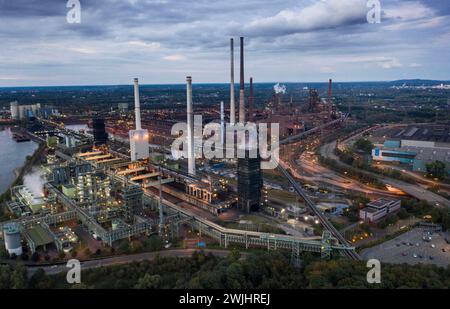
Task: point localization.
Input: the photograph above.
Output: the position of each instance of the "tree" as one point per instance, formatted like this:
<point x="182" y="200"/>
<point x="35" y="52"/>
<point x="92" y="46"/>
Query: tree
<point x="437" y="170"/>
<point x="234" y="255"/>
<point x="149" y="282"/>
<point x="19" y="278"/>
<point x="124" y="247"/>
<point x="364" y="145"/>
<point x="403" y="214"/>
<point x="154" y="243"/>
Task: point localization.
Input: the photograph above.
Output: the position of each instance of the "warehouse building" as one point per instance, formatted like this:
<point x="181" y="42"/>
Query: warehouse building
<point x="415" y="146"/>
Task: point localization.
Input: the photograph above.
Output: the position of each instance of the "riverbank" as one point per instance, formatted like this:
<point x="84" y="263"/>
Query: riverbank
<point x="30" y="161"/>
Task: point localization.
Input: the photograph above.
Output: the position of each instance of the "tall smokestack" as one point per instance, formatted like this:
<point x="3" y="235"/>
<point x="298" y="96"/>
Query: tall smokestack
<point x="241" y="91"/>
<point x="250" y="101"/>
<point x="190" y="127"/>
<point x="222" y="123"/>
<point x="232" y="96"/>
<point x="330" y="91"/>
<point x="137" y="104"/>
<point x="330" y="95"/>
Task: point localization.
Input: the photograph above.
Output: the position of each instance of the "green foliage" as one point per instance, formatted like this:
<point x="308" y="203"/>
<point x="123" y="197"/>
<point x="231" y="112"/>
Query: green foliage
<point x="149" y="282"/>
<point x="153" y="243"/>
<point x="364" y="145"/>
<point x="3" y="253"/>
<point x="390" y="220"/>
<point x="257" y="271"/>
<point x="437" y="170"/>
<point x="420" y="209"/>
<point x="349" y="274"/>
<point x="13" y="278"/>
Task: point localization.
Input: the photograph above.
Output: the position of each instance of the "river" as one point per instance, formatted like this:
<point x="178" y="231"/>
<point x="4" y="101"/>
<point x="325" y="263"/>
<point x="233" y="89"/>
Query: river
<point x="12" y="156"/>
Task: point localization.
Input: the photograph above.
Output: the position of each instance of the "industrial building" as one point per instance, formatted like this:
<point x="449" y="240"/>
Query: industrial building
<point x="249" y="177"/>
<point x="139" y="147"/>
<point x="415" y="146"/>
<point x="132" y="202"/>
<point x="379" y="209"/>
<point x="20" y="112"/>
<point x="24" y="203"/>
<point x="64" y="173"/>
<point x="11" y="235"/>
<point x="100" y="135"/>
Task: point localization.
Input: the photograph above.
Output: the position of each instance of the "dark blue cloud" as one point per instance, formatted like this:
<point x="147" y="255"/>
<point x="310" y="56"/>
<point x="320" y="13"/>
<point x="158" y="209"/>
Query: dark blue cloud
<point x="164" y="40"/>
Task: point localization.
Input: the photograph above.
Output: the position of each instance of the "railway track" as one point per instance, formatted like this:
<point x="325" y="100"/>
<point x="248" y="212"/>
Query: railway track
<point x="322" y="218"/>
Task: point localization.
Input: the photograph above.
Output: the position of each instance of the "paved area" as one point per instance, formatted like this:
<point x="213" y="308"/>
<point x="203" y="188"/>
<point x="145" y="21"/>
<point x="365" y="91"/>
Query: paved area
<point x="410" y="248"/>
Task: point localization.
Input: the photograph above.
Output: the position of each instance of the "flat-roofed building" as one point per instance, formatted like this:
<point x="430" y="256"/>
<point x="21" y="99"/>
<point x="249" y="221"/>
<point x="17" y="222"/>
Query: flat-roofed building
<point x="415" y="146"/>
<point x="379" y="209"/>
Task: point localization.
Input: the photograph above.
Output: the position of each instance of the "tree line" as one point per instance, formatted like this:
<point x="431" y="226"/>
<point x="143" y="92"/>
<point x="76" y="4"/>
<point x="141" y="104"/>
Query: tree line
<point x="260" y="270"/>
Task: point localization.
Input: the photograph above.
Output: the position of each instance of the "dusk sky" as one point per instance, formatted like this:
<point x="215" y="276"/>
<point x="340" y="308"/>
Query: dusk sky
<point x="163" y="41"/>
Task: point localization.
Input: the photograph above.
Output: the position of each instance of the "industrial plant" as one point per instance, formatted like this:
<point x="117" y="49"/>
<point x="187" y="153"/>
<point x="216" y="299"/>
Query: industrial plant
<point x="94" y="184"/>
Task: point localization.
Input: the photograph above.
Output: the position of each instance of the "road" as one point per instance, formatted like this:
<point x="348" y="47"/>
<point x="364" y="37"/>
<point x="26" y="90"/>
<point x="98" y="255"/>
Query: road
<point x="332" y="178"/>
<point x="411" y="189"/>
<point x="126" y="259"/>
<point x="419" y="178"/>
<point x="323" y="219"/>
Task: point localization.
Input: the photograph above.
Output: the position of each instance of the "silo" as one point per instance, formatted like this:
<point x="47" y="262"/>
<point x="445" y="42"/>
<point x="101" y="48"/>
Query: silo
<point x="11" y="234"/>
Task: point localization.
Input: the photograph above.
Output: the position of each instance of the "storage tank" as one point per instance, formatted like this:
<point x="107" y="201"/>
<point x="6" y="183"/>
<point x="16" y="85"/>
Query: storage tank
<point x="11" y="234"/>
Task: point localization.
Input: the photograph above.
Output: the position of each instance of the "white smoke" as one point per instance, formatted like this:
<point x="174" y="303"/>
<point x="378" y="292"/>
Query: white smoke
<point x="35" y="182"/>
<point x="279" y="89"/>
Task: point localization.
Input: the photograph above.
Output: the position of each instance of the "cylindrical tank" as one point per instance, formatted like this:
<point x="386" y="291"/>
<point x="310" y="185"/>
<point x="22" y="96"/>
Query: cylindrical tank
<point x="11" y="234"/>
<point x="115" y="225"/>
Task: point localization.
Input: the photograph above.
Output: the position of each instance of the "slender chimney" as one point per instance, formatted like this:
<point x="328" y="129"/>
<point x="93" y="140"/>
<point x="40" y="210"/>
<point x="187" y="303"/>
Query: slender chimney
<point x="222" y="123"/>
<point x="190" y="127"/>
<point x="250" y="101"/>
<point x="232" y="96"/>
<point x="137" y="104"/>
<point x="241" y="91"/>
<point x="330" y="91"/>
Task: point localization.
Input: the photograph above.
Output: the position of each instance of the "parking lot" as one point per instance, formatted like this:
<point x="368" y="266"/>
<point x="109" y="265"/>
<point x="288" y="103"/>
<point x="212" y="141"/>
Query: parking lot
<point x="411" y="248"/>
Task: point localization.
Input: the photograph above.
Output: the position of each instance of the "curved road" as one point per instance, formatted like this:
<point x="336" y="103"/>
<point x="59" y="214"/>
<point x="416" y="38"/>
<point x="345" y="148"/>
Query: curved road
<point x="413" y="190"/>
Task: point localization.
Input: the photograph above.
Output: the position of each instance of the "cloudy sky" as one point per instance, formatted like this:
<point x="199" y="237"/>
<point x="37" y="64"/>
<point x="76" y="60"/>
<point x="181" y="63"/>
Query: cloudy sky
<point x="162" y="41"/>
